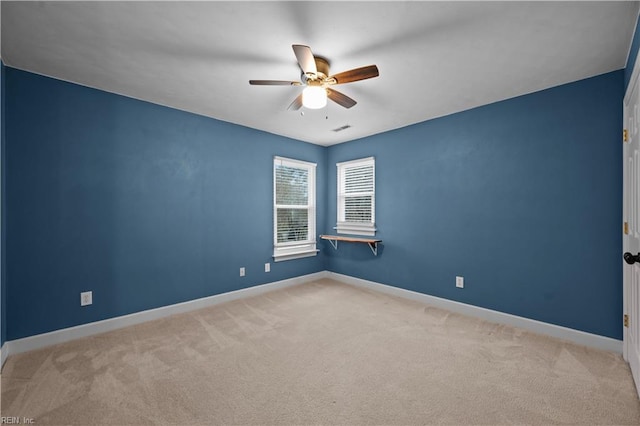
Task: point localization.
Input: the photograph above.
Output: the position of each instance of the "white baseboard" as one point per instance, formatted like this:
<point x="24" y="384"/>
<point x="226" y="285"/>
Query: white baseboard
<point x="576" y="336"/>
<point x="66" y="334"/>
<point x="85" y="330"/>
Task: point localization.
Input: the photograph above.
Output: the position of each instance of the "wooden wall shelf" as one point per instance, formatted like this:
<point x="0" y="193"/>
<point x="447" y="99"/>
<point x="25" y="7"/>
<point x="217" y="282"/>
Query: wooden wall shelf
<point x="372" y="242"/>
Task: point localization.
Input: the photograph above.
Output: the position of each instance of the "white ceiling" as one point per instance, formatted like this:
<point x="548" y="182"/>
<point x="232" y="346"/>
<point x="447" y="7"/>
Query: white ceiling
<point x="435" y="58"/>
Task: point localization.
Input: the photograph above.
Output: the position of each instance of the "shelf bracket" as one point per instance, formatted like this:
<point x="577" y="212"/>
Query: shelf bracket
<point x="334" y="243"/>
<point x="374" y="248"/>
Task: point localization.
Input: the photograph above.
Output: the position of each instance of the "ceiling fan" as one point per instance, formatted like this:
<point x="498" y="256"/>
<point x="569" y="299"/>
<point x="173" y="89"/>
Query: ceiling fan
<point x="315" y="75"/>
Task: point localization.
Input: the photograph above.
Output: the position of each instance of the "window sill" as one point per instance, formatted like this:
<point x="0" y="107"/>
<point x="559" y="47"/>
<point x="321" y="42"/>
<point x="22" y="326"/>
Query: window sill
<point x="296" y="255"/>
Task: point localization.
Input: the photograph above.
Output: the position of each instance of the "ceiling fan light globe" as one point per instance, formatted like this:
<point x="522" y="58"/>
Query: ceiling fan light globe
<point x="314" y="97"/>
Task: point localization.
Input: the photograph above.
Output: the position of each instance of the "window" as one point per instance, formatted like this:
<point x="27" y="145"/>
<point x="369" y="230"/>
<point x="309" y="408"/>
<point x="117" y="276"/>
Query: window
<point x="357" y="197"/>
<point x="294" y="209"/>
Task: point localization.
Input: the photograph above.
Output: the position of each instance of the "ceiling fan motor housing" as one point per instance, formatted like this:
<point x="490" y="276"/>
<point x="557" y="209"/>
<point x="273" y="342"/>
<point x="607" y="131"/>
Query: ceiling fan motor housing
<point x="322" y="70"/>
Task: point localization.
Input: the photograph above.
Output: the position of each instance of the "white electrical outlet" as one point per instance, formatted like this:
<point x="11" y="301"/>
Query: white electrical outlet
<point x="242" y="271"/>
<point x="460" y="282"/>
<point x="86" y="298"/>
<point x="267" y="267"/>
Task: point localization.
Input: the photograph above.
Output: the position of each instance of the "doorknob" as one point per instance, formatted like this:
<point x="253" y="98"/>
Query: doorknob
<point x="631" y="258"/>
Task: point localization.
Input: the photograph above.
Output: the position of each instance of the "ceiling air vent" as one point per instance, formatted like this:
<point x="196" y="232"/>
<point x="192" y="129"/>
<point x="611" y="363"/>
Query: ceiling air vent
<point x="341" y="128"/>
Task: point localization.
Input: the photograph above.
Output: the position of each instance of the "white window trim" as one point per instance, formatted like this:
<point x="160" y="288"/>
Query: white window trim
<point x="342" y="227"/>
<point x="296" y="249"/>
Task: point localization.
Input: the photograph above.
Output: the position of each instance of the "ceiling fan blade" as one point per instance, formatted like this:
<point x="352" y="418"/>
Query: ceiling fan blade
<point x="274" y="83"/>
<point x="305" y="58"/>
<point x="340" y="98"/>
<point x="297" y="103"/>
<point x="356" y="74"/>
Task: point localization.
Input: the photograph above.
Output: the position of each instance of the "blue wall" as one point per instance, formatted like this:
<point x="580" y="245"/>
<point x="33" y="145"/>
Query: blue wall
<point x="522" y="198"/>
<point x="144" y="205"/>
<point x="148" y="206"/>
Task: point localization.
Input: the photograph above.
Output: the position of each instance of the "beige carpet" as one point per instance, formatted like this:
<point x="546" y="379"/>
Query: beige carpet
<point x="319" y="353"/>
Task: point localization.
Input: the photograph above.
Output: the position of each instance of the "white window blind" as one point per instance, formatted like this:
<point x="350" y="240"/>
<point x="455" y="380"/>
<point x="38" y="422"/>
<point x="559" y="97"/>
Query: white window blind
<point x="294" y="215"/>
<point x="356" y="197"/>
